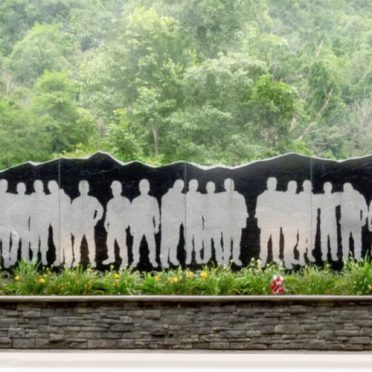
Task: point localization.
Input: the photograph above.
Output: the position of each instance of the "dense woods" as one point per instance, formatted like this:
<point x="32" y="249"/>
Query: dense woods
<point x="210" y="81"/>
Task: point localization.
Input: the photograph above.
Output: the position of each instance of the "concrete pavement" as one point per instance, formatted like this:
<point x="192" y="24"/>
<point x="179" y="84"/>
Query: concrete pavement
<point x="185" y="361"/>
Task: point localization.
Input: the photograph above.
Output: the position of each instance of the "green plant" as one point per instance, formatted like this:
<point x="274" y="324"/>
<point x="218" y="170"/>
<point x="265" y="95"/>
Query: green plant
<point x="313" y="280"/>
<point x="358" y="277"/>
<point x="31" y="279"/>
<point x="75" y="281"/>
<point x="255" y="279"/>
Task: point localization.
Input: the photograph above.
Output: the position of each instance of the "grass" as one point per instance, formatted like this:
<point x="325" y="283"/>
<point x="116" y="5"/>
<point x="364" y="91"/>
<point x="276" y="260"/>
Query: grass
<point x="29" y="279"/>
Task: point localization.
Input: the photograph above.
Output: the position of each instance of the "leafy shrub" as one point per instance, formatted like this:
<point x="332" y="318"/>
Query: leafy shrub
<point x="30" y="279"/>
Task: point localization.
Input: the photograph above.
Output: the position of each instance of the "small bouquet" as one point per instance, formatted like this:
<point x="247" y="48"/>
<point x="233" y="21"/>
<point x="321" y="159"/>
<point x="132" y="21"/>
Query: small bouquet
<point x="277" y="285"/>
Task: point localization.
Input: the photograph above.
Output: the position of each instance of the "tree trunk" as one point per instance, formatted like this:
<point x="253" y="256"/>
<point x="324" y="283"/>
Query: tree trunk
<point x="155" y="134"/>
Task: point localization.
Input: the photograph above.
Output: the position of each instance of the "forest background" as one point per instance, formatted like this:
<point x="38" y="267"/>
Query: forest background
<point x="209" y="81"/>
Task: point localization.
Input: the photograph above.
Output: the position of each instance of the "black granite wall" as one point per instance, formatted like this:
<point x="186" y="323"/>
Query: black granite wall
<point x="249" y="181"/>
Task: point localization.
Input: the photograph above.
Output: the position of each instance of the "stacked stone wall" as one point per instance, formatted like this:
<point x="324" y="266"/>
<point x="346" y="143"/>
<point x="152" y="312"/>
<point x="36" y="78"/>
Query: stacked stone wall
<point x="230" y="323"/>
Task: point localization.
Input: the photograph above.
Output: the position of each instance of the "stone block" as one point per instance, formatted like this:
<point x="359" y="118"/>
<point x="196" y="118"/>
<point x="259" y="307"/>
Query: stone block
<point x="31" y="314"/>
<point x="360" y="340"/>
<point x="318" y="345"/>
<point x="101" y="344"/>
<point x="343" y="332"/>
<point x="16" y="332"/>
<point x="219" y="345"/>
<point x="253" y="333"/>
<point x="287" y="328"/>
<point x="57" y="337"/>
<point x="326" y="335"/>
<point x="125" y="344"/>
<point x="4" y="341"/>
<point x="23" y="343"/>
<point x="121" y="328"/>
<point x="126" y="319"/>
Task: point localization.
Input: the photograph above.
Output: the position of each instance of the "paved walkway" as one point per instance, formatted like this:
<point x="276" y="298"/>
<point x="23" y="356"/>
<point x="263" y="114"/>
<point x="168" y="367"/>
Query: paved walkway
<point x="184" y="361"/>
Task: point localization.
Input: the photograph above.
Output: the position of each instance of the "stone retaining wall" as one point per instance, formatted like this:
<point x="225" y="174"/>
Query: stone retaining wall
<point x="187" y="322"/>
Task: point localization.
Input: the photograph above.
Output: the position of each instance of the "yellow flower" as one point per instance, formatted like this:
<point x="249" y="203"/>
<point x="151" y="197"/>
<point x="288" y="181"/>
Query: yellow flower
<point x="204" y="275"/>
<point x="157" y="277"/>
<point x="174" y="280"/>
<point x="117" y="276"/>
<point x="17" y="278"/>
<point x="189" y="274"/>
<point x="42" y="280"/>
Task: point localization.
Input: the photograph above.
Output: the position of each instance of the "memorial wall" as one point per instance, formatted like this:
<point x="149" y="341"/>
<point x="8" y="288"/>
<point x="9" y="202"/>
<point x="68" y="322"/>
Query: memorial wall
<point x="291" y="209"/>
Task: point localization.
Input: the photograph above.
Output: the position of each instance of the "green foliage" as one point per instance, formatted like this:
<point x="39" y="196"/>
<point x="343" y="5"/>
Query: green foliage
<point x="26" y="279"/>
<point x="255" y="280"/>
<point x="358" y="277"/>
<point x="55" y="101"/>
<point x="215" y="26"/>
<point x="43" y="48"/>
<point x="22" y="135"/>
<point x="124" y="138"/>
<point x="73" y="282"/>
<point x="211" y="81"/>
<point x="313" y="280"/>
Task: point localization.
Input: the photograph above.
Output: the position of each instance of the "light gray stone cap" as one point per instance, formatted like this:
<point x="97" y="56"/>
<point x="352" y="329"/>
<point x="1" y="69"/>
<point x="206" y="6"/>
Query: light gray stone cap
<point x="183" y="298"/>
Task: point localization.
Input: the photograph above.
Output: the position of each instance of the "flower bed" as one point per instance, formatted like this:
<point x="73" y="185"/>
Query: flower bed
<point x="26" y="279"/>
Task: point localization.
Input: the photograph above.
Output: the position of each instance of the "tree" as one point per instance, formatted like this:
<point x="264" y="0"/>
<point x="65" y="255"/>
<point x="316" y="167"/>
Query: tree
<point x="55" y="102"/>
<point x="214" y="26"/>
<point x="234" y="111"/>
<point x="358" y="127"/>
<point x="17" y="17"/>
<point x="141" y="73"/>
<point x="22" y="135"/>
<point x="43" y="48"/>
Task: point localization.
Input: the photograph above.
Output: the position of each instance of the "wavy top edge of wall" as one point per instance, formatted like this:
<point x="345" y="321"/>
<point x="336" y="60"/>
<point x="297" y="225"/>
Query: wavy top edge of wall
<point x="102" y="154"/>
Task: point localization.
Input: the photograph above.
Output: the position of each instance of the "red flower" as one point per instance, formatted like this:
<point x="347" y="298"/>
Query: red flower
<point x="277" y="285"/>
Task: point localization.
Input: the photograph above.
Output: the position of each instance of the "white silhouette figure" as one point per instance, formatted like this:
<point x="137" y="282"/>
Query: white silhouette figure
<point x="145" y="219"/>
<point x="306" y="222"/>
<point x="370" y="217"/>
<point x="86" y="211"/>
<point x="213" y="215"/>
<point x="116" y="222"/>
<point x="269" y="216"/>
<point x="173" y="215"/>
<point x="290" y="204"/>
<point x="354" y="213"/>
<point x="9" y="237"/>
<point x="236" y="214"/>
<point x="327" y="204"/>
<point x="19" y="219"/>
<point x="60" y="219"/>
<point x="194" y="223"/>
<point x="39" y="222"/>
<point x="5" y="229"/>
